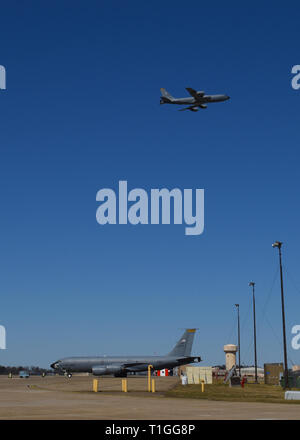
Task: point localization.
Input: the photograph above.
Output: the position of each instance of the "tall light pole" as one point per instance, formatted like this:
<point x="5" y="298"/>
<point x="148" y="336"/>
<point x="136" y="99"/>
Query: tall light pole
<point x="251" y="284"/>
<point x="239" y="337"/>
<point x="278" y="245"/>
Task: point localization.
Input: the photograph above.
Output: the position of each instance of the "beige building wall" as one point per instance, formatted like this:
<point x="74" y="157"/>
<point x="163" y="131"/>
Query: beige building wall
<point x="196" y="374"/>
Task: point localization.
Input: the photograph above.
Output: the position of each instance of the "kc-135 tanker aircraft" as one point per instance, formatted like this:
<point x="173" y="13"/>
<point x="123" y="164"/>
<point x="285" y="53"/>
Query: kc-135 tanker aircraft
<point x="119" y="366"/>
<point x="197" y="100"/>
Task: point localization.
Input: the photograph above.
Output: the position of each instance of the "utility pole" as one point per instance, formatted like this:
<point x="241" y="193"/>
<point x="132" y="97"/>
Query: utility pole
<point x="278" y="245"/>
<point x="239" y="337"/>
<point x="254" y="327"/>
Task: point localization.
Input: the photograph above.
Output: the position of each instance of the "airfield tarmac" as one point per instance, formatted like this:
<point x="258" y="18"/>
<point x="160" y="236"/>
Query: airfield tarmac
<point x="59" y="398"/>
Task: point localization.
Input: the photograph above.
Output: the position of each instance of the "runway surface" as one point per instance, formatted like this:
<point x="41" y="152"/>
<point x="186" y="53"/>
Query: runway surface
<point x="61" y="398"/>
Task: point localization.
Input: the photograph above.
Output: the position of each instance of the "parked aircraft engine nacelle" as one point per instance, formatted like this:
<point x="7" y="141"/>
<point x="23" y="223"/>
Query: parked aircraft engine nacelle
<point x="107" y="369"/>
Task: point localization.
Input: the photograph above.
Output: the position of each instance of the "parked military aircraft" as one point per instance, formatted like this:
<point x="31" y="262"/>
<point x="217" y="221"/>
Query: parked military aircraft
<point x="119" y="366"/>
<point x="197" y="100"/>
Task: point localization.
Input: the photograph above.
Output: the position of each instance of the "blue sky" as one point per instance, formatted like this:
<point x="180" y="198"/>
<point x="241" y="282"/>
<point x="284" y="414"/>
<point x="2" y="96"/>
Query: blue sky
<point x="81" y="112"/>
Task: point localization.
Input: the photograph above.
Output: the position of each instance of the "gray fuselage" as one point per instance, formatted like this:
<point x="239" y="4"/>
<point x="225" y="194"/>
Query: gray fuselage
<point x="200" y="100"/>
<point x="121" y="365"/>
<point x="98" y="364"/>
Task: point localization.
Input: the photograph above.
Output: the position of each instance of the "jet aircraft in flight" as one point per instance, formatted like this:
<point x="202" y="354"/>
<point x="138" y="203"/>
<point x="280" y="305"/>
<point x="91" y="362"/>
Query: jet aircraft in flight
<point x="197" y="100"/>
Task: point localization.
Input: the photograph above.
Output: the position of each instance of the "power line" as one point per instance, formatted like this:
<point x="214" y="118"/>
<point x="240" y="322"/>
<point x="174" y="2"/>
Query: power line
<point x="292" y="279"/>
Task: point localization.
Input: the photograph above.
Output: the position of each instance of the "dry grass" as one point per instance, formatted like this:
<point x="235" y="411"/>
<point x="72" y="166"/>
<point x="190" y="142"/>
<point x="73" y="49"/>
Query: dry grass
<point x="250" y="393"/>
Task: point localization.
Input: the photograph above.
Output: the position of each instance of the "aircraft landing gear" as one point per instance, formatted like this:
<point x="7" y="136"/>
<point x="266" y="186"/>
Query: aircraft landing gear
<point x="69" y="375"/>
<point x="120" y="375"/>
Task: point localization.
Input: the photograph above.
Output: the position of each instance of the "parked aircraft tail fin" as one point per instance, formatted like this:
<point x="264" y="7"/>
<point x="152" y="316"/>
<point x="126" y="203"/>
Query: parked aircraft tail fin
<point x="184" y="345"/>
<point x="166" y="97"/>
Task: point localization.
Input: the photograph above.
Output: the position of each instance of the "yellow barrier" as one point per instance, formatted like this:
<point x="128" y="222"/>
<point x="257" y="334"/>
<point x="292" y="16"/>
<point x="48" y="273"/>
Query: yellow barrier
<point x="153" y="385"/>
<point x="149" y="377"/>
<point x="95" y="385"/>
<point x="202" y="386"/>
<point x="124" y="385"/>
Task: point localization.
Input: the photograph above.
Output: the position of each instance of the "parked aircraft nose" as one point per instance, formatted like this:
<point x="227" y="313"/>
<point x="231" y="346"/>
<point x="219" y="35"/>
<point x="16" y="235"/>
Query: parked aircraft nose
<point x="227" y="97"/>
<point x="55" y="365"/>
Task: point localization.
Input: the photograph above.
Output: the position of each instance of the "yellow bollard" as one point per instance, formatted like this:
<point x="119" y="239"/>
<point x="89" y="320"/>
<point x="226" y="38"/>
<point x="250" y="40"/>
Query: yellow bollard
<point x="149" y="377"/>
<point x="124" y="385"/>
<point x="202" y="386"/>
<point x="95" y="385"/>
<point x="153" y="385"/>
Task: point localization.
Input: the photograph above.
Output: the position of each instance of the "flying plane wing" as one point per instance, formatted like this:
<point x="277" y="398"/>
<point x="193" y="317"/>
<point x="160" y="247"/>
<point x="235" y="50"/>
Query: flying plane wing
<point x="194" y="93"/>
<point x="193" y="108"/>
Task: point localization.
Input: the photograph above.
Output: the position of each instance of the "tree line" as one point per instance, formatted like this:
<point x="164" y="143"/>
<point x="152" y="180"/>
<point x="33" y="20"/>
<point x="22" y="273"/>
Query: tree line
<point x="32" y="370"/>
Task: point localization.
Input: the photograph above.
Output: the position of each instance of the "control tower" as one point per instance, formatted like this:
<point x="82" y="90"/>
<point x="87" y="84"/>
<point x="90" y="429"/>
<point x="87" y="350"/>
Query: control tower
<point x="230" y="355"/>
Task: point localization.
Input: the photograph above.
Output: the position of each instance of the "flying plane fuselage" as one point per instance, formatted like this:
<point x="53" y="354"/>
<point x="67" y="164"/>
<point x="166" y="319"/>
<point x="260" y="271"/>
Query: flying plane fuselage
<point x="190" y="101"/>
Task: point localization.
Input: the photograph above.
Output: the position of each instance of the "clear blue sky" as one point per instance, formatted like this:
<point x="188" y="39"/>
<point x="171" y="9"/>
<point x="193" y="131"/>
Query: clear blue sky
<point x="81" y="112"/>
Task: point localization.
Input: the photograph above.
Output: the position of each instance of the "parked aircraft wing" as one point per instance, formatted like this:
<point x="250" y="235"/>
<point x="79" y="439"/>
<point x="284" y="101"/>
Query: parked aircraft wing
<point x="191" y="359"/>
<point x="194" y="93"/>
<point x="132" y="364"/>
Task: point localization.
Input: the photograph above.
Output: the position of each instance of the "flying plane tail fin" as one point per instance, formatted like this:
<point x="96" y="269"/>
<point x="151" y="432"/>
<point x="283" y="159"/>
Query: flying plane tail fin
<point x="184" y="345"/>
<point x="166" y="97"/>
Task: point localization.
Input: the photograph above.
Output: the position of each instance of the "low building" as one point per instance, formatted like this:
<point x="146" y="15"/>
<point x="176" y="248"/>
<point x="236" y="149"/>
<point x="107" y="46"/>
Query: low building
<point x="196" y="375"/>
<point x="273" y="372"/>
<point x="250" y="372"/>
